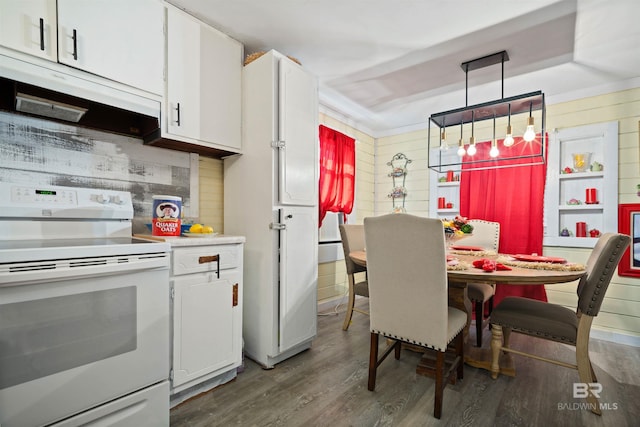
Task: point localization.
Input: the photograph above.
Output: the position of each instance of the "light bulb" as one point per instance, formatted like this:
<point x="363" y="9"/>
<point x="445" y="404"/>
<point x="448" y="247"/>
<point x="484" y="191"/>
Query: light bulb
<point x="472" y="147"/>
<point x="494" y="149"/>
<point x="530" y="133"/>
<point x="508" y="139"/>
<point x="443" y="142"/>
<point x="461" y="150"/>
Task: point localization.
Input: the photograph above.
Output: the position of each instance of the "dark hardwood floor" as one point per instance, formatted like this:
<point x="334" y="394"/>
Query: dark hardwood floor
<point x="327" y="386"/>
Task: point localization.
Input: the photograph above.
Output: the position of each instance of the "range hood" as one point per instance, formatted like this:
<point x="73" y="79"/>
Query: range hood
<point x="48" y="108"/>
<point x="34" y="101"/>
<point x="59" y="93"/>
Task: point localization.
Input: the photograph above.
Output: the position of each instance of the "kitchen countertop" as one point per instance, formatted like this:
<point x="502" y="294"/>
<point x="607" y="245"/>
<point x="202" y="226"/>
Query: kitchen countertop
<point x="175" y="241"/>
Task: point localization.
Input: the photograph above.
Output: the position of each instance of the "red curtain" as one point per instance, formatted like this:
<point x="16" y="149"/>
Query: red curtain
<point x="337" y="172"/>
<point x="512" y="196"/>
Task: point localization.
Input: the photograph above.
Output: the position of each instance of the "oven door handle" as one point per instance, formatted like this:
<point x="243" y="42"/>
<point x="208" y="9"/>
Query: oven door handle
<point x="14" y="274"/>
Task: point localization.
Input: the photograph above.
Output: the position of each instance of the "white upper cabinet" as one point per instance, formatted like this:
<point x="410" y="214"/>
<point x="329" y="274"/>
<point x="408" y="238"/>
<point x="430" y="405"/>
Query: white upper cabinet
<point x="121" y="40"/>
<point x="29" y="27"/>
<point x="204" y="83"/>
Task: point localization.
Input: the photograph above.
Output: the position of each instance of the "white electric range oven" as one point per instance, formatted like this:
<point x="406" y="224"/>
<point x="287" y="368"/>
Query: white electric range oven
<point x="84" y="311"/>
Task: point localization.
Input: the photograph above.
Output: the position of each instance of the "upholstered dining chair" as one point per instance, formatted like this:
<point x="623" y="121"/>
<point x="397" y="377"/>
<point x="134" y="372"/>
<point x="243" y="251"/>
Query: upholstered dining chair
<point x="557" y="323"/>
<point x="353" y="240"/>
<point x="408" y="295"/>
<point x="486" y="234"/>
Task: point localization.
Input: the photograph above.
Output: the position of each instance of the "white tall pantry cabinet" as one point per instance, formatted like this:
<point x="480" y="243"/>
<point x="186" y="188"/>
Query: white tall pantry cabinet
<point x="271" y="197"/>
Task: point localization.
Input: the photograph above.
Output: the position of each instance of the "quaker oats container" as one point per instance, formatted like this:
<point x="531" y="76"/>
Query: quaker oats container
<point x="167" y="211"/>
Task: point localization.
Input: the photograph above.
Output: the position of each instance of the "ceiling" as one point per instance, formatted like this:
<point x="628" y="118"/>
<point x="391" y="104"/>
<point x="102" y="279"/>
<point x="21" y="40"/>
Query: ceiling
<point x="387" y="65"/>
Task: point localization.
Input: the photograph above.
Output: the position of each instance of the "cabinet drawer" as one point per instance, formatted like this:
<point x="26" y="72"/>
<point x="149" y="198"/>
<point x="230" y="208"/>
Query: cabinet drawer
<point x="205" y="258"/>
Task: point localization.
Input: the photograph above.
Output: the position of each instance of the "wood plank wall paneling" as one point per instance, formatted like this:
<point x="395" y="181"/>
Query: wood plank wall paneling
<point x="413" y="145"/>
<point x="41" y="152"/>
<point x="211" y="192"/>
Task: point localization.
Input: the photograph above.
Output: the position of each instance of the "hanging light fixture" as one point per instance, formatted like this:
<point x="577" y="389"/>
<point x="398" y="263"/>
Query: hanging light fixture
<point x="494" y="152"/>
<point x="533" y="102"/>
<point x="529" y="133"/>
<point x="472" y="141"/>
<point x="461" y="150"/>
<point x="508" y="139"/>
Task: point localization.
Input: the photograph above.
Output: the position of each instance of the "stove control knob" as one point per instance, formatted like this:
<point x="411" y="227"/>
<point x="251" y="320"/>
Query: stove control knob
<point x="116" y="200"/>
<point x="101" y="198"/>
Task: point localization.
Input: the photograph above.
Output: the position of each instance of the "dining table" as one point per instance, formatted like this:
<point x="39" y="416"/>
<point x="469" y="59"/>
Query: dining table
<point x="462" y="271"/>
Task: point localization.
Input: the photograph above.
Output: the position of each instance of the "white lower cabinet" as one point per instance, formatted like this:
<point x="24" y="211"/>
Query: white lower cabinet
<point x="207" y="314"/>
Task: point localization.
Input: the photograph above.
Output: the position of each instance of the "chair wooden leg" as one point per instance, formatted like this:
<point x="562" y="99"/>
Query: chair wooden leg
<point x="437" y="404"/>
<point x="506" y="335"/>
<point x="585" y="368"/>
<point x="351" y="303"/>
<point x="496" y="347"/>
<point x="479" y="322"/>
<point x="460" y="353"/>
<point x="373" y="361"/>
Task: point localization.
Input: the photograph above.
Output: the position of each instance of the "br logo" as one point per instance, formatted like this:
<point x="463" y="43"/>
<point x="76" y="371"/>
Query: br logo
<point x="582" y="390"/>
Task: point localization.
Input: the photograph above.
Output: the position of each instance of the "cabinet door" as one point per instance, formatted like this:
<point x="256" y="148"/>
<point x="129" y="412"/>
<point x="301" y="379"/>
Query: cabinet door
<point x="206" y="338"/>
<point x="298" y="129"/>
<point x="298" y="276"/>
<point x="183" y="75"/>
<point x="204" y="70"/>
<point x="117" y="39"/>
<point x="29" y="26"/>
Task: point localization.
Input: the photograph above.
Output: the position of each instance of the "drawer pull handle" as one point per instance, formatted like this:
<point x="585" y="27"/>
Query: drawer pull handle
<point x="211" y="258"/>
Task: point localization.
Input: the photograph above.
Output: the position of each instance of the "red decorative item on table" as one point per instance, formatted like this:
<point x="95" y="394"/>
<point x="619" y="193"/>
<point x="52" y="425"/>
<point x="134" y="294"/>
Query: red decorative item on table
<point x="489" y="265"/>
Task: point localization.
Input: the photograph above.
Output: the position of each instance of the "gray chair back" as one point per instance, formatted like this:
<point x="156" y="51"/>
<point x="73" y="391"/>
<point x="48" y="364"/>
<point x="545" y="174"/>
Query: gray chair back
<point x="352" y="236"/>
<point x="601" y="265"/>
<point x="408" y="279"/>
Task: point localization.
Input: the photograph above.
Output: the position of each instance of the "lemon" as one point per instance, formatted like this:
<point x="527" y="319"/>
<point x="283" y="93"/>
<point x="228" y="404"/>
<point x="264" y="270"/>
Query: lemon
<point x="196" y="228"/>
<point x="207" y="229"/>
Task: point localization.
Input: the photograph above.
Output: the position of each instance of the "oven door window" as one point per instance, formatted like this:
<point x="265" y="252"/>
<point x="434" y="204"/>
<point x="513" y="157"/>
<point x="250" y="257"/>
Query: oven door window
<point x="46" y="336"/>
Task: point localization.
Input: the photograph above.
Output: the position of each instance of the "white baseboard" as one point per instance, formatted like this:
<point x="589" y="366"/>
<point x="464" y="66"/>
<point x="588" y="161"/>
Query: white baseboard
<point x="617" y="337"/>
